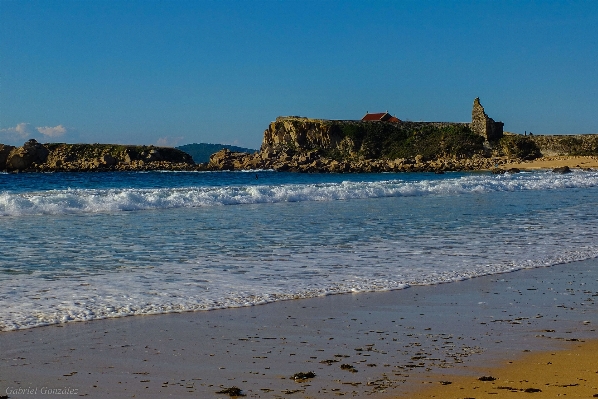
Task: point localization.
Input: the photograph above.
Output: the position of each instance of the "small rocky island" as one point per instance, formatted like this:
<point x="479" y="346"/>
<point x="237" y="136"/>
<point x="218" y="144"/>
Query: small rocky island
<point x="56" y="157"/>
<point x="377" y="143"/>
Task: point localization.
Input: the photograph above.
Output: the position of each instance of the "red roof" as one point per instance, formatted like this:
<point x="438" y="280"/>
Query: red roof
<point x="382" y="116"/>
<point x="374" y="117"/>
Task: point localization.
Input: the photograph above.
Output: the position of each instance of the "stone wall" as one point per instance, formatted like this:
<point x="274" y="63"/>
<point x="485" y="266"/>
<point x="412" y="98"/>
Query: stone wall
<point x="483" y="125"/>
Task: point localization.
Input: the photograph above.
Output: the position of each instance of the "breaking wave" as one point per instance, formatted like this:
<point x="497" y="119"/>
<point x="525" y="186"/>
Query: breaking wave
<point x="134" y="199"/>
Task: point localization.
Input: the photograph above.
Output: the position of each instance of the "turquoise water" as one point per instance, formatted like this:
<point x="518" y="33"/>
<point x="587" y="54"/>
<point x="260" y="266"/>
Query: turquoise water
<point x="95" y="245"/>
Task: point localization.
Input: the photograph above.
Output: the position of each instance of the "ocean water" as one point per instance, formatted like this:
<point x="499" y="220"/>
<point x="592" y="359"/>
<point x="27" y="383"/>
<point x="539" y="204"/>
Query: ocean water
<point x="83" y="246"/>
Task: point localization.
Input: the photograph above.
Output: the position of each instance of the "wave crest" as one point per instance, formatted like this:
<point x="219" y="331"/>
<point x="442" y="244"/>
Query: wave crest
<point x="133" y="199"/>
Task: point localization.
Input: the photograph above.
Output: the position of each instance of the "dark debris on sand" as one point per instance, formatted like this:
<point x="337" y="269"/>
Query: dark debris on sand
<point x="232" y="391"/>
<point x="348" y="367"/>
<point x="299" y="377"/>
<point x="487" y="378"/>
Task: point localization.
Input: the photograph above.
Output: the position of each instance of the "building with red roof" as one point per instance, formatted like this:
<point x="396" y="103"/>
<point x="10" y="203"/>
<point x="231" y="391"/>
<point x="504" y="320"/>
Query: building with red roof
<point x="382" y="116"/>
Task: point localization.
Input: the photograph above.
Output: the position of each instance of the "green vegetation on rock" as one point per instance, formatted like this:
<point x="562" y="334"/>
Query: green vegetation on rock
<point x="575" y="145"/>
<point x="374" y="140"/>
<point x="517" y="146"/>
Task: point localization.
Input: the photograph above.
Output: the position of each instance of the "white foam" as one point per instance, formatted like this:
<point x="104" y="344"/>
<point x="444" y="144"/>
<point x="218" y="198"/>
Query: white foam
<point x="32" y="301"/>
<point x="115" y="200"/>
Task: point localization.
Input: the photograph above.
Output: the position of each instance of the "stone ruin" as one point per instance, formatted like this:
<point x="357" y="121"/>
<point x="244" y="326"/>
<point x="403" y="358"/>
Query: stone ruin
<point x="484" y="125"/>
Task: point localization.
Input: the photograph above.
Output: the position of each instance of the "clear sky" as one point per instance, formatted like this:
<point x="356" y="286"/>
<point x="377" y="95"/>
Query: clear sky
<point x="178" y="72"/>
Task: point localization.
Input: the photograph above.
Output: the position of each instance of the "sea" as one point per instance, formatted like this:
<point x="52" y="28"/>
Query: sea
<point x="85" y="246"/>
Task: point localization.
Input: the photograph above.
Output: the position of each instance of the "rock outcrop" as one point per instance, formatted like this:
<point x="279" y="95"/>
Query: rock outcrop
<point x="31" y="153"/>
<point x="315" y="162"/>
<point x="296" y="133"/>
<point x="575" y="145"/>
<point x="5" y="151"/>
<point x="36" y="157"/>
<point x="562" y="170"/>
<point x="201" y="152"/>
<point x="517" y="146"/>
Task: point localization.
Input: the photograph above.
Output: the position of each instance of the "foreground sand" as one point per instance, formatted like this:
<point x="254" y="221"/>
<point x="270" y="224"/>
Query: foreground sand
<point x="571" y="373"/>
<point x="557" y="162"/>
<point x="379" y="345"/>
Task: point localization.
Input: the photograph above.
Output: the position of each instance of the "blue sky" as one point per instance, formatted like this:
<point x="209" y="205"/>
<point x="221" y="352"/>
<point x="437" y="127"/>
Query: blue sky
<point x="178" y="72"/>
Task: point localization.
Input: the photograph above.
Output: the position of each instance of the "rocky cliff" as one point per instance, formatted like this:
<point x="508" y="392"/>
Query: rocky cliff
<point x="36" y="157"/>
<point x="316" y="145"/>
<point x="374" y="139"/>
<point x="344" y="140"/>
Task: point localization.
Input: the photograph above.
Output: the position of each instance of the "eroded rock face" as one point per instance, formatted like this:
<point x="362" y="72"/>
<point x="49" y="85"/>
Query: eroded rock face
<point x="24" y="157"/>
<point x="294" y="133"/>
<point x="107" y="160"/>
<point x="229" y="160"/>
<point x="4" y="153"/>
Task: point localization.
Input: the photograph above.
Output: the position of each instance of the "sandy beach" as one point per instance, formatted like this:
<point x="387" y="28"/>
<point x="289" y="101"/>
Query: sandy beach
<point x="551" y="162"/>
<point x="570" y="371"/>
<point x="387" y="344"/>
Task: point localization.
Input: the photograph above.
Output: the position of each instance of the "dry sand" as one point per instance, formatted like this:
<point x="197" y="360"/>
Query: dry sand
<point x="571" y="372"/>
<point x="557" y="162"/>
<point x="391" y="343"/>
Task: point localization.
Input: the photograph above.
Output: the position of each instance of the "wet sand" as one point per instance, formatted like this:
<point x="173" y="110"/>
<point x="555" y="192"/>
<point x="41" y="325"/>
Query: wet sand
<point x="388" y="344"/>
<point x="552" y="162"/>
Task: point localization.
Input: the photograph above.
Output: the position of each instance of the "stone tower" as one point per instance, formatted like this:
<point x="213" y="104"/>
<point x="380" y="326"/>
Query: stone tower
<point x="483" y="125"/>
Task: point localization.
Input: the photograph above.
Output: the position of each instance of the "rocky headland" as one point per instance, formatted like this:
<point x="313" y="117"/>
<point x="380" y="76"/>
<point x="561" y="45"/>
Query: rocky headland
<point x="301" y="144"/>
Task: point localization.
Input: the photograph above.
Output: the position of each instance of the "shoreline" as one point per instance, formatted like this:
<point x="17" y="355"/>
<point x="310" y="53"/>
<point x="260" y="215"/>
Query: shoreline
<point x="395" y="341"/>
